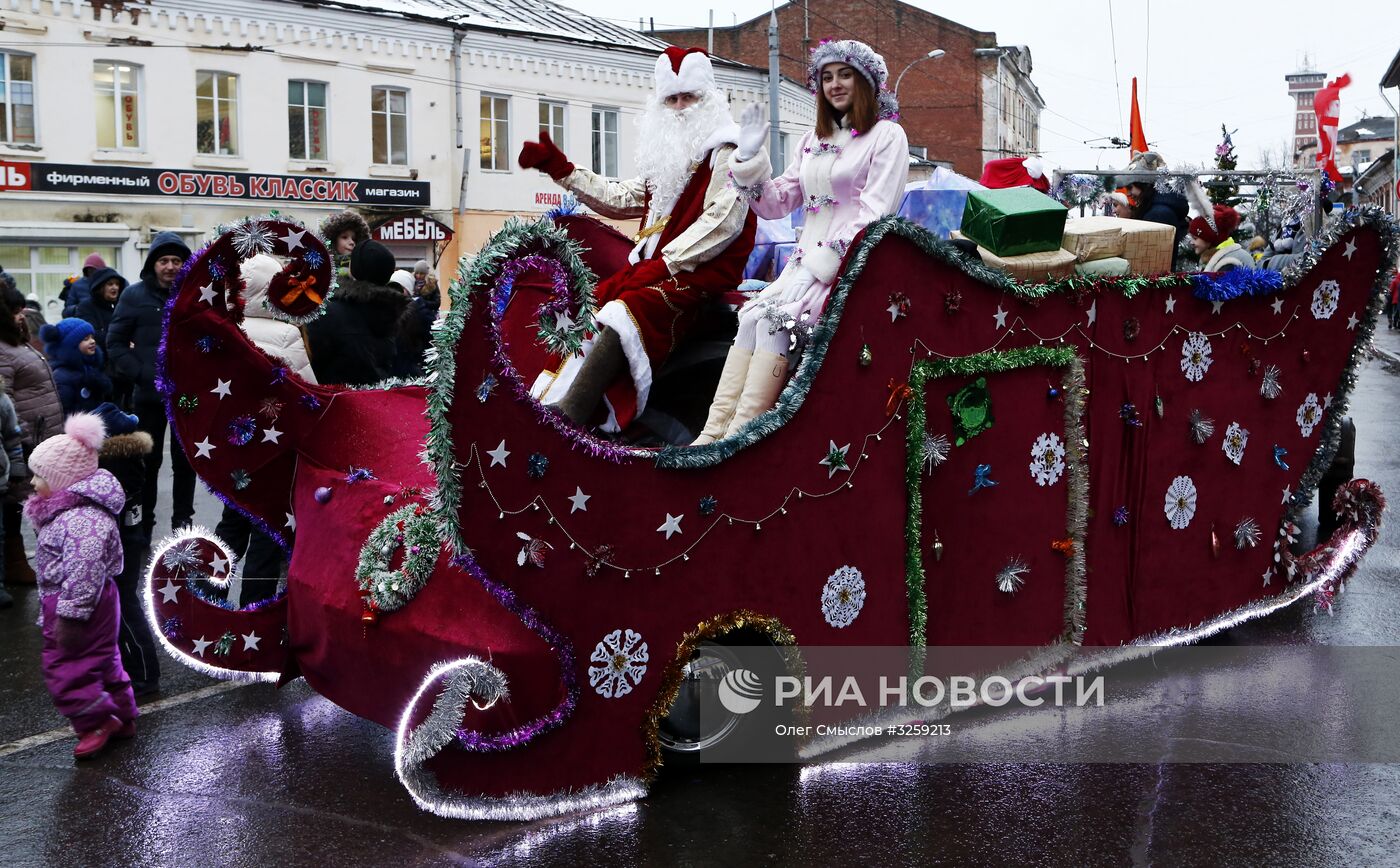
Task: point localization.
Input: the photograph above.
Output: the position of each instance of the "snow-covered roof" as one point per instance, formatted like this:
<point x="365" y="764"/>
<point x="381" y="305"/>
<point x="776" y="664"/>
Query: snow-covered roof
<point x="534" y="17"/>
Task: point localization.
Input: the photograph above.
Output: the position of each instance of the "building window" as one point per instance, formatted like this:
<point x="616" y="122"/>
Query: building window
<point x="1362" y="156"/>
<point x="605" y="142"/>
<point x="552" y="120"/>
<point x="216" y="112"/>
<point x="389" y="117"/>
<point x="118" y="92"/>
<point x="495" y="132"/>
<point x="16" y="98"/>
<point x="41" y="270"/>
<point x="306" y="120"/>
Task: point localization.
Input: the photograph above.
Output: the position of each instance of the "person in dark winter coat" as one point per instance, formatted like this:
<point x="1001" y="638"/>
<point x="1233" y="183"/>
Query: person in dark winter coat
<point x="123" y="455"/>
<point x="353" y="342"/>
<point x="1161" y="207"/>
<point x="98" y="307"/>
<point x="78" y="291"/>
<point x="416" y="333"/>
<point x="133" y="338"/>
<point x="11" y="463"/>
<point x="78" y="365"/>
<point x="30" y="383"/>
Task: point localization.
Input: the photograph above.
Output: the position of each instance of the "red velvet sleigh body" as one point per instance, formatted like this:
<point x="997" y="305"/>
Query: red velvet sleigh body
<point x="528" y="673"/>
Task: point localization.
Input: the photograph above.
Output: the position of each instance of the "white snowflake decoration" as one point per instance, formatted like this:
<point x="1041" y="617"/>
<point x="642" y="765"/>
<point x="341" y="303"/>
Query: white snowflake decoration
<point x="843" y="597"/>
<point x="1195" y="356"/>
<point x="1235" y="440"/>
<point x="1270" y="387"/>
<point x="619" y="663"/>
<point x="183" y="557"/>
<point x="1047" y="459"/>
<point x="1309" y="414"/>
<point x="1180" y="506"/>
<point x="1325" y="299"/>
<point x="251" y="238"/>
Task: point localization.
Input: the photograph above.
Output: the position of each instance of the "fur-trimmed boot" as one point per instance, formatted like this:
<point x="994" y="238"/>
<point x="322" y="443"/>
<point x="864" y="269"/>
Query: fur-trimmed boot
<point x="600" y="369"/>
<point x="731" y="384"/>
<point x="766" y="376"/>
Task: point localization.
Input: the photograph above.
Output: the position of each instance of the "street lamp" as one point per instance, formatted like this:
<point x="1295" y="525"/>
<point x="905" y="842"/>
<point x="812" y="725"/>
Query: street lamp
<point x="937" y="52"/>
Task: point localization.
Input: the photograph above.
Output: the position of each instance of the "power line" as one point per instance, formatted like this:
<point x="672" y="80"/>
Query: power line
<point x="1113" y="39"/>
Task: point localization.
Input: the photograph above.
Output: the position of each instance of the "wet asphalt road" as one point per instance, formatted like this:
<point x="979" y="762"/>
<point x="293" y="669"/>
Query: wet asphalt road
<point x="232" y="775"/>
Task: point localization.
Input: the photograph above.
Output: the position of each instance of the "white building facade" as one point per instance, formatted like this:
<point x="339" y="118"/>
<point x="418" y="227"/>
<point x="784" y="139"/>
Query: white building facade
<point x="118" y="121"/>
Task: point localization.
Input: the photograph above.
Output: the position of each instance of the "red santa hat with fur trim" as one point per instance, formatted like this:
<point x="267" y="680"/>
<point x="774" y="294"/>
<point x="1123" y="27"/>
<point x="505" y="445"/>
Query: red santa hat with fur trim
<point x="684" y="70"/>
<point x="1015" y="172"/>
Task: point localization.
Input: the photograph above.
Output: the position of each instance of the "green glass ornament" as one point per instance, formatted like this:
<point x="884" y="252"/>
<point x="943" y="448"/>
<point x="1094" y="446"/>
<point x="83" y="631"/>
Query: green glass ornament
<point x="866" y="357"/>
<point x="972" y="410"/>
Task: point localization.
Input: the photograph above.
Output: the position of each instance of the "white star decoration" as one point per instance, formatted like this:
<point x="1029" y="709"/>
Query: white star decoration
<point x="1093" y="313"/>
<point x="1268" y="574"/>
<point x="1216" y="306"/>
<point x="200" y="644"/>
<point x="203" y="448"/>
<point x="224" y="388"/>
<point x="293" y="239"/>
<point x="170" y="591"/>
<point x="218" y="564"/>
<point x="1352" y="321"/>
<point x="250" y="641"/>
<point x="1171" y="304"/>
<point x="270" y="435"/>
<point x="1327" y="401"/>
<point x="291" y="522"/>
<point x="579" y="501"/>
<point x="1277" y="305"/>
<point x="894" y="311"/>
<point x="1286" y="494"/>
<point x="1000" y="317"/>
<point x="207" y="293"/>
<point x="562" y="321"/>
<point x="499" y="455"/>
<point x="671" y="525"/>
<point x="833" y="466"/>
<point x="1350" y="248"/>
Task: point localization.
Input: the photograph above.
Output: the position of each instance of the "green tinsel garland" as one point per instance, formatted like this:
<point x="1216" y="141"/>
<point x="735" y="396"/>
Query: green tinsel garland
<point x="391" y="589"/>
<point x="1078" y="482"/>
<point x="478" y="275"/>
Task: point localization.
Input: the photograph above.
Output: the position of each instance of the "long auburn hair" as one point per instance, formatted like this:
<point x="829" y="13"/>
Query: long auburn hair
<point x="862" y="112"/>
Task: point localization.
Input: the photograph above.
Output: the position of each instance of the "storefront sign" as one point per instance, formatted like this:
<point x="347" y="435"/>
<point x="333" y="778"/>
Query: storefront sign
<point x="129" y="181"/>
<point x="553" y="200"/>
<point x="410" y="228"/>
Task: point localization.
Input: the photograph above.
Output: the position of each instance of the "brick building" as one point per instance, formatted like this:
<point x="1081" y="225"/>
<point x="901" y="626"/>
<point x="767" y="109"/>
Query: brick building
<point x="973" y="104"/>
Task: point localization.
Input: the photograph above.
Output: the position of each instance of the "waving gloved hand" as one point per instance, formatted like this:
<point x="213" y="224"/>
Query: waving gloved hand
<point x="545" y="156"/>
<point x="753" y="132"/>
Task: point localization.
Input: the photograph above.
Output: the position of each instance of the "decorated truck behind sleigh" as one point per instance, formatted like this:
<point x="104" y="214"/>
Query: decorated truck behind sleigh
<point x="519" y="599"/>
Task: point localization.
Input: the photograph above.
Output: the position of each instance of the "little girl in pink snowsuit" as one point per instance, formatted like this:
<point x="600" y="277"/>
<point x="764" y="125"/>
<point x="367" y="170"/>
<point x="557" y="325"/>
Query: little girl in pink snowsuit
<point x="74" y="511"/>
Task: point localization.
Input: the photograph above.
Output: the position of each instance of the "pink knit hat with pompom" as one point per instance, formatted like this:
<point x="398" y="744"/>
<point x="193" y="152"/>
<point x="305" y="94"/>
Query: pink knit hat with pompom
<point x="68" y="458"/>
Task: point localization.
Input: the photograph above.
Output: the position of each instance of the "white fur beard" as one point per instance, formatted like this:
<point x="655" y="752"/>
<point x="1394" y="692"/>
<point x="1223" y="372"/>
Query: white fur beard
<point x="669" y="141"/>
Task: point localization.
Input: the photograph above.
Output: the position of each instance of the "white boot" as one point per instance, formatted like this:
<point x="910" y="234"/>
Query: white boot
<point x="731" y="383"/>
<point x="766" y="378"/>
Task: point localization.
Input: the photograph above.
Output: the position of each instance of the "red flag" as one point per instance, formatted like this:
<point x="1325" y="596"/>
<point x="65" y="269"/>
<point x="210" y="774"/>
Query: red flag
<point x="1139" y="138"/>
<point x="1327" y="105"/>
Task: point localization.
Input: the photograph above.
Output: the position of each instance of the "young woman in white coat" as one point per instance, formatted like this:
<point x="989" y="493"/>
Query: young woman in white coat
<point x="848" y="172"/>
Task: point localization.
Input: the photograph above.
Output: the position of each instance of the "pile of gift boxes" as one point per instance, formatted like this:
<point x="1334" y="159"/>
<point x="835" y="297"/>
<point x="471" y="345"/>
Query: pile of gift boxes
<point x="1030" y="236"/>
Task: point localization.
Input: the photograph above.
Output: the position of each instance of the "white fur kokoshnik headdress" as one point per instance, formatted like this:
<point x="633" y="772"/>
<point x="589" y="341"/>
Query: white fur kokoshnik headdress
<point x="863" y="59"/>
<point x="684" y="70"/>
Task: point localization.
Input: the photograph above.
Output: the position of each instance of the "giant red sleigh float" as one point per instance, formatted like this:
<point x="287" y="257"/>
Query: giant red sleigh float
<point x="518" y="598"/>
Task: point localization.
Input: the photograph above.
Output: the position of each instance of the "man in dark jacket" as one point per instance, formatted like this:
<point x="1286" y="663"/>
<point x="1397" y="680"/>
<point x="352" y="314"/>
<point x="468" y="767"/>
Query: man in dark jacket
<point x="133" y="338"/>
<point x="353" y="342"/>
<point x="1161" y="207"/>
<point x="76" y="292"/>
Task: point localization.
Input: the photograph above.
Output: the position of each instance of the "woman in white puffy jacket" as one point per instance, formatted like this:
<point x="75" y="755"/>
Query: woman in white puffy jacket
<point x="280" y="340"/>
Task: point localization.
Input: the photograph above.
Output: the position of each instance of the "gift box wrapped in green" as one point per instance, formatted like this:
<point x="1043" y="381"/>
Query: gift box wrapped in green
<point x="1013" y="221"/>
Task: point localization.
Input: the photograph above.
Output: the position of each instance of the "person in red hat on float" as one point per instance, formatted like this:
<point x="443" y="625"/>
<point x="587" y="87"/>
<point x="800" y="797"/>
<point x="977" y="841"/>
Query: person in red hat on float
<point x="696" y="236"/>
<point x="1211" y="238"/>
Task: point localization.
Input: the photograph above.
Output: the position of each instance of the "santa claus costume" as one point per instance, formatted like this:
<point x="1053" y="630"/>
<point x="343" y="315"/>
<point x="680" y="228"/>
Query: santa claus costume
<point x="696" y="235"/>
<point x="844" y="181"/>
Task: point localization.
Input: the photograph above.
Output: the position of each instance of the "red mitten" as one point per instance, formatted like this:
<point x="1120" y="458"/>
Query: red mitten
<point x="546" y="157"/>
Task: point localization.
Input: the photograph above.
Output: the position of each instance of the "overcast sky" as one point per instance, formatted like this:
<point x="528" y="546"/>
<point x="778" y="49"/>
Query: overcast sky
<point x="1199" y="64"/>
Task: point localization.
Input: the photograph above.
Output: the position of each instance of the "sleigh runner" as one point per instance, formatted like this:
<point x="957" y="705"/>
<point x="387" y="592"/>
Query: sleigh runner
<point x="956" y="459"/>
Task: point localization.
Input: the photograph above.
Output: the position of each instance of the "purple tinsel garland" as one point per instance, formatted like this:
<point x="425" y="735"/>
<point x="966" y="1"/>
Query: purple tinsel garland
<point x="578" y="437"/>
<point x="564" y="651"/>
